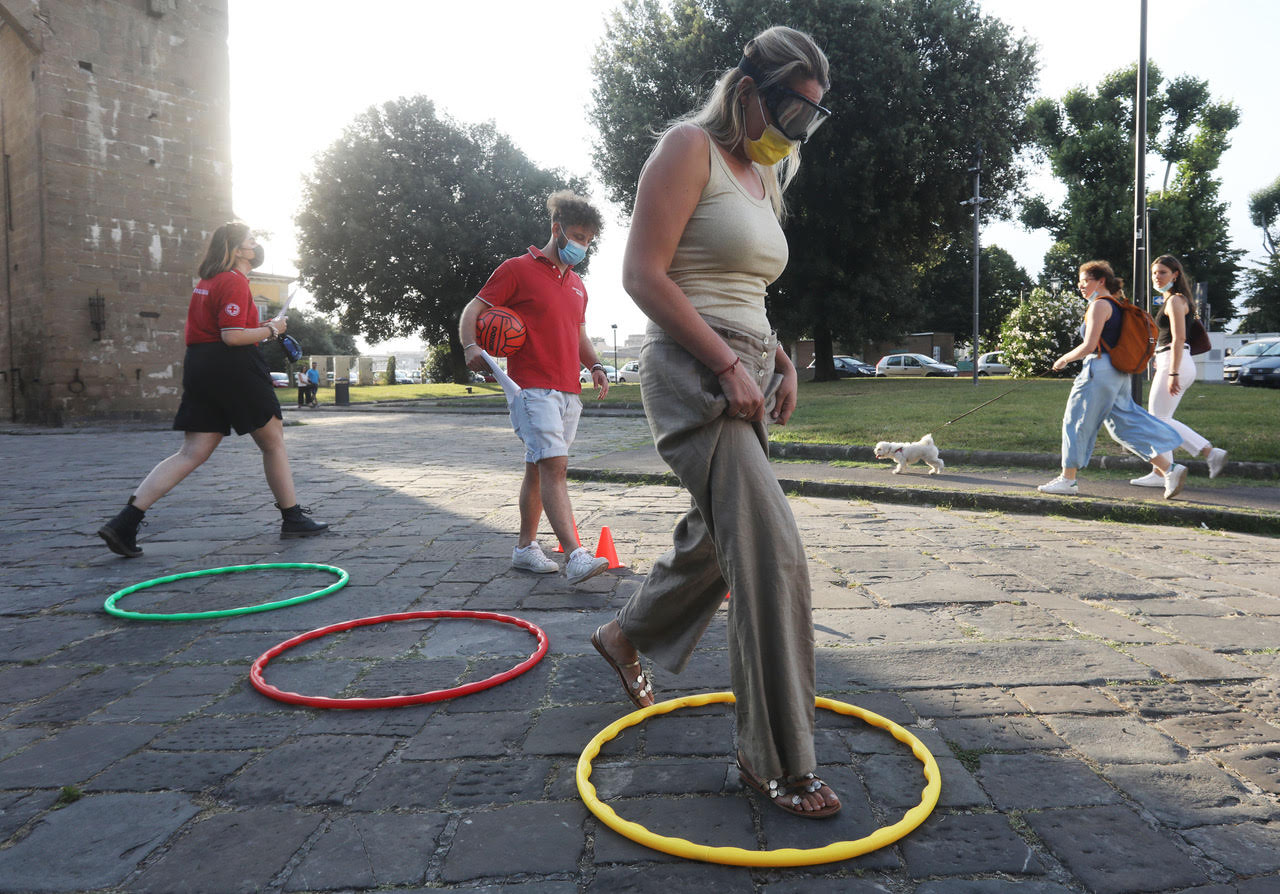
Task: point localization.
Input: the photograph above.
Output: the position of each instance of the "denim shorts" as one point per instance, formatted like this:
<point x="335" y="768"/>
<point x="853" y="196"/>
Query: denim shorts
<point x="546" y="421"/>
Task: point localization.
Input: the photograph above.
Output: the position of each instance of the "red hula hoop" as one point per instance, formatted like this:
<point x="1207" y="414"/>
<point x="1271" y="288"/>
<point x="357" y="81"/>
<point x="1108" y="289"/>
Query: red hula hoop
<point x="394" y="701"/>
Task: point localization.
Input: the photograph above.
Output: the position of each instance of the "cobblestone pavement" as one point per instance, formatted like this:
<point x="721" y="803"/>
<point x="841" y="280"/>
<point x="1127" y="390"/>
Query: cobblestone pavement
<point x="1103" y="700"/>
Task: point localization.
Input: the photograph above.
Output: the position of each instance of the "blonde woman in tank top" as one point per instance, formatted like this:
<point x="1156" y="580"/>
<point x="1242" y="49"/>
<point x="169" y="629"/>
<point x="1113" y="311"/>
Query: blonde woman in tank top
<point x="706" y="241"/>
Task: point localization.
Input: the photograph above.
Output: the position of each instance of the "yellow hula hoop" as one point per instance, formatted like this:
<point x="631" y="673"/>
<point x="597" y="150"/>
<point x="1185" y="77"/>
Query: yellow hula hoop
<point x="737" y="856"/>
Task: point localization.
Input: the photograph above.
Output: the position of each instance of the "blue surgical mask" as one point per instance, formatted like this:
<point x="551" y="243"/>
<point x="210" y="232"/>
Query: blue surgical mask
<point x="1163" y="290"/>
<point x="571" y="253"/>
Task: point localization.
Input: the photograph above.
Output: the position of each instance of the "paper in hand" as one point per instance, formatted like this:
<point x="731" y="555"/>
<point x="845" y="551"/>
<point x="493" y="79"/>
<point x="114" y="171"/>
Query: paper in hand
<point x="509" y="387"/>
<point x="285" y="307"/>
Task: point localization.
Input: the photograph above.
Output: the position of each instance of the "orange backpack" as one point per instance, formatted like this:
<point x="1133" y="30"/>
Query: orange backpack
<point x="1136" y="344"/>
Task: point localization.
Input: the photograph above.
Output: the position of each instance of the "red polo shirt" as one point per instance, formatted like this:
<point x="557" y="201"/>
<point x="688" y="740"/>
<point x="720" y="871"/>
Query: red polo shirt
<point x="223" y="302"/>
<point x="553" y="307"/>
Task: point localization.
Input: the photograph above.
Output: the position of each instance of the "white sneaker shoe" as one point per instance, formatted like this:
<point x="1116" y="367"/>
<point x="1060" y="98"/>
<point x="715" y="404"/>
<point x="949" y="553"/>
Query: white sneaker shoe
<point x="1065" y="486"/>
<point x="1151" y="479"/>
<point x="1173" y="480"/>
<point x="531" y="558"/>
<point x="582" y="565"/>
<point x="1217" y="460"/>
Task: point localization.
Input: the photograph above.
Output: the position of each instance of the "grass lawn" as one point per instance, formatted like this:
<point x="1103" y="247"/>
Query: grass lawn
<point x="1246" y="421"/>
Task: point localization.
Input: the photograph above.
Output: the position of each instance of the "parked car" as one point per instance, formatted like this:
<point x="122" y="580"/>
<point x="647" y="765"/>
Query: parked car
<point x="992" y="364"/>
<point x="280" y="380"/>
<point x="1245" y="354"/>
<point x="1262" y="370"/>
<point x="848" y="367"/>
<point x="912" y="365"/>
<point x="632" y="367"/>
<point x="584" y="375"/>
<point x="403" y="379"/>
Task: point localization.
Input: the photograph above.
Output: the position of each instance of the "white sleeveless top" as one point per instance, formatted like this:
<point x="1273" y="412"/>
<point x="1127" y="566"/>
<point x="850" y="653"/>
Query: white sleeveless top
<point x="732" y="248"/>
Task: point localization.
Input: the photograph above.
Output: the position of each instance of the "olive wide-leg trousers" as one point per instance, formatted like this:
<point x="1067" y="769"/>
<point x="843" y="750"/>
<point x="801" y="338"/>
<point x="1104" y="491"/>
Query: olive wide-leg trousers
<point x="739" y="535"/>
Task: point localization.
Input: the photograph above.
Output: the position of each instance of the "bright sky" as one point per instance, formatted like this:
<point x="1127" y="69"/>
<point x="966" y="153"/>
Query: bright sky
<point x="301" y="70"/>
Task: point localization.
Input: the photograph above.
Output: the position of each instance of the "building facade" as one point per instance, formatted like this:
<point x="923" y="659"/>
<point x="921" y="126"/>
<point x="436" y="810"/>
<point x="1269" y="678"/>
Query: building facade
<point x="115" y="134"/>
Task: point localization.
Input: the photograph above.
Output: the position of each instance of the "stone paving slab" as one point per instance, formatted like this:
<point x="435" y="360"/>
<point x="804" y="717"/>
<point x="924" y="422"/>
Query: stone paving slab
<point x="1095" y="727"/>
<point x="1084" y="840"/>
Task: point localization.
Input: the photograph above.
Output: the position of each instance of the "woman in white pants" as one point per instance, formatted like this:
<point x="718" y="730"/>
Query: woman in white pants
<point x="1172" y="379"/>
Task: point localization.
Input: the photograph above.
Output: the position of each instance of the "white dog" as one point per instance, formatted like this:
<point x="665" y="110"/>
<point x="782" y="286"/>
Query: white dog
<point x="922" y="451"/>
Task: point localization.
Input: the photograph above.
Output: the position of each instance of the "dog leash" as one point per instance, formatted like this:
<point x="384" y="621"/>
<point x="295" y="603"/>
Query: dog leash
<point x="980" y="406"/>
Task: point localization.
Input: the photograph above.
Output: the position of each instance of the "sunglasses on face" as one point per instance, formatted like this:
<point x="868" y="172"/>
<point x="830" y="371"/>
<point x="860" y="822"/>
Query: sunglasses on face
<point x="795" y="114"/>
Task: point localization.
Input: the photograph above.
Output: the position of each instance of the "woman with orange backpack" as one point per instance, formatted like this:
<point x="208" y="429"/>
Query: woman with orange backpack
<point x="1102" y="393"/>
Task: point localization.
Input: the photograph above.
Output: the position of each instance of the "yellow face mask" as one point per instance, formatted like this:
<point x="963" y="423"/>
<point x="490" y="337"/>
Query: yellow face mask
<point x="772" y="146"/>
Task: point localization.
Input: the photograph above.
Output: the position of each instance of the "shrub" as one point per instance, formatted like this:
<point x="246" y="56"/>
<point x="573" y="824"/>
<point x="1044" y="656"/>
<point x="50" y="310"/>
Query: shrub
<point x="439" y="363"/>
<point x="1039" y="331"/>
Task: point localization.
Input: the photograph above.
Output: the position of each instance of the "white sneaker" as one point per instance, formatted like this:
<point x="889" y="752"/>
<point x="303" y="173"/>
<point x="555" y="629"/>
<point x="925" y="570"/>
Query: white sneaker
<point x="1217" y="460"/>
<point x="1151" y="479"/>
<point x="531" y="558"/>
<point x="583" y="565"/>
<point x="1065" y="486"/>
<point x="1173" y="480"/>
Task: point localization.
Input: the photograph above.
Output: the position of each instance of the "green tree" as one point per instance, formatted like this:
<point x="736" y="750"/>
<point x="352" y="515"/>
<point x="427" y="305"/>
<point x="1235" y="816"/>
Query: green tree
<point x="1039" y="331"/>
<point x="390" y="376"/>
<point x="1088" y="139"/>
<point x="316" y="335"/>
<point x="945" y="292"/>
<point x="439" y="363"/>
<point x="916" y="84"/>
<point x="1264" y="211"/>
<point x="1262" y="283"/>
<point x="407" y="214"/>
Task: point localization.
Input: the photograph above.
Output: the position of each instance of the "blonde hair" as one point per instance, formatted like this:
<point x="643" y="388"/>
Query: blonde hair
<point x="780" y="53"/>
<point x="220" y="256"/>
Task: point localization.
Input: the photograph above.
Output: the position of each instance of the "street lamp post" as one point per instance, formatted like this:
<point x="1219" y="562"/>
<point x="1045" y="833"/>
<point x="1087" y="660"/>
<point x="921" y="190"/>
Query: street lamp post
<point x="615" y="352"/>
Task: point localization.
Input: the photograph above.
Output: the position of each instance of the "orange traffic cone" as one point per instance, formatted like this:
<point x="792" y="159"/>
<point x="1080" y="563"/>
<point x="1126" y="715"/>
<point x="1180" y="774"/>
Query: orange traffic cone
<point x="606" y="549"/>
<point x="560" y="548"/>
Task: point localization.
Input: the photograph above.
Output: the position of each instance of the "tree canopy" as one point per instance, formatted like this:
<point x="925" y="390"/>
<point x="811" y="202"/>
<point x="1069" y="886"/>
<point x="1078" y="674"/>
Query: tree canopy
<point x="1264" y="212"/>
<point x="915" y="86"/>
<point x="946" y="292"/>
<point x="1262" y="283"/>
<point x="407" y="214"/>
<point x="1089" y="141"/>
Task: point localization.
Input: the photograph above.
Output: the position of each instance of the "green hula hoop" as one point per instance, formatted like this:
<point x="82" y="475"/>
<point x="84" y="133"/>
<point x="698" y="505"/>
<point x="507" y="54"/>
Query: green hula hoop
<point x="112" y="609"/>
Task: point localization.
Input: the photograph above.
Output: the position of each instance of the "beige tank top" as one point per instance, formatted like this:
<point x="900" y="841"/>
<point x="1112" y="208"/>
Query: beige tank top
<point x="732" y="248"/>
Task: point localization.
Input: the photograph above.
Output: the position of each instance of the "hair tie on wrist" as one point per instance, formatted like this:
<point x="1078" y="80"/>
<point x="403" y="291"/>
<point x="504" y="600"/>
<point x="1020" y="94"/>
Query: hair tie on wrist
<point x="472" y="345"/>
<point x="735" y="362"/>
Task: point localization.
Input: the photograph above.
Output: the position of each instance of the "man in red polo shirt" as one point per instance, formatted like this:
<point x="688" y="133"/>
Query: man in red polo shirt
<point x="542" y="287"/>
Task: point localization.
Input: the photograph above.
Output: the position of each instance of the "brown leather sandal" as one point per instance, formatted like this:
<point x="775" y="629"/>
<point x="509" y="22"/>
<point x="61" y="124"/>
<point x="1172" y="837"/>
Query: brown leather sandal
<point x="636" y="689"/>
<point x="786" y="791"/>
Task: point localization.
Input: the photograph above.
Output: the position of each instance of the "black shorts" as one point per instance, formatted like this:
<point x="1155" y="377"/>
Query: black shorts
<point x="225" y="388"/>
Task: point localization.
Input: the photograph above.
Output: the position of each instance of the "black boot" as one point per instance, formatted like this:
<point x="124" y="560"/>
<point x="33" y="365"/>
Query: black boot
<point x="296" y="524"/>
<point x="121" y="533"/>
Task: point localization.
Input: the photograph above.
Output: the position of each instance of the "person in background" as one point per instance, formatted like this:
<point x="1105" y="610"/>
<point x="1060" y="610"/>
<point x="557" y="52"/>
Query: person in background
<point x="304" y="387"/>
<point x="1175" y="367"/>
<point x="1102" y="394"/>
<point x="706" y="241"/>
<point x="542" y="287"/>
<point x="225" y="385"/>
<point x="313" y="385"/>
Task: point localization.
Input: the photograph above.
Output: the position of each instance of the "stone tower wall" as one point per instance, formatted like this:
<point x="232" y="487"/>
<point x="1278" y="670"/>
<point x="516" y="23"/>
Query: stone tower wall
<point x="116" y="129"/>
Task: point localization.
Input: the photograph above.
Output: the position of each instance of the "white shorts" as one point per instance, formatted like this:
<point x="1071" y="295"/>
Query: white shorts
<point x="546" y="421"/>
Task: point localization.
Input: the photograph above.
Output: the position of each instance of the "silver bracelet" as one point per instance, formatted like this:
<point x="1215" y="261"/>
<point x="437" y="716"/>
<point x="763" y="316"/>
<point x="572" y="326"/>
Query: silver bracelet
<point x="472" y="345"/>
<point x="599" y="366"/>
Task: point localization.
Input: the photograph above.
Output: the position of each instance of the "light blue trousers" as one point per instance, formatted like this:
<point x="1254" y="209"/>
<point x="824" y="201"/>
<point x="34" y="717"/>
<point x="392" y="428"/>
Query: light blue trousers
<point x="1103" y="395"/>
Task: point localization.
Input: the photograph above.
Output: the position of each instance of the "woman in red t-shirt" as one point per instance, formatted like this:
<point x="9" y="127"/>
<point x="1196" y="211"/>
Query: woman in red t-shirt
<point x="225" y="385"/>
